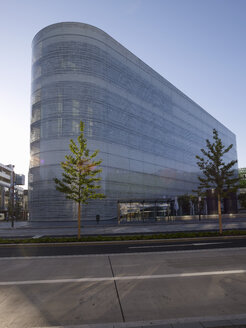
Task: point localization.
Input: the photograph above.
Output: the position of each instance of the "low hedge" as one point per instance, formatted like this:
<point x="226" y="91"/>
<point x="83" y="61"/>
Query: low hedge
<point x="171" y="235"/>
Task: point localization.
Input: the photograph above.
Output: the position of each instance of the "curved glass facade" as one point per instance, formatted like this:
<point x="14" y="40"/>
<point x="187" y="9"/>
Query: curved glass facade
<point x="148" y="132"/>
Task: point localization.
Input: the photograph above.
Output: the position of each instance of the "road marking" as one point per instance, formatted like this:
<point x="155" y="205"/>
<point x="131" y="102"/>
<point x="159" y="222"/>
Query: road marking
<point x="219" y="242"/>
<point x="37" y="236"/>
<point x="175" y="245"/>
<point x="159" y="246"/>
<point x="99" y="279"/>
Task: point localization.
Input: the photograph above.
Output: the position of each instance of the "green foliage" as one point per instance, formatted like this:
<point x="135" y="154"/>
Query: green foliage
<point x="216" y="174"/>
<point x="242" y="183"/>
<point x="242" y="199"/>
<point x="18" y="210"/>
<point x="79" y="180"/>
<point x="171" y="235"/>
<point x="242" y="177"/>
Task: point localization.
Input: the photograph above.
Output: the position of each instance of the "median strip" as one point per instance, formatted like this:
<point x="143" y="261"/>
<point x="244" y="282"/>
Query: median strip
<point x="124" y="237"/>
<point x="100" y="279"/>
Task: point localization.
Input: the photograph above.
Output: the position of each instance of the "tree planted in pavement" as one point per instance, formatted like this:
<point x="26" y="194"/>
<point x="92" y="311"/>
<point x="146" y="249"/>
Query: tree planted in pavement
<point x="80" y="174"/>
<point x="216" y="175"/>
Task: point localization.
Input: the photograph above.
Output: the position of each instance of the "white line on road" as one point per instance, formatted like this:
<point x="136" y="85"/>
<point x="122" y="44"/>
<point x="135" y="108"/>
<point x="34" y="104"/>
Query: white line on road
<point x="37" y="236"/>
<point x="158" y="246"/>
<point x="175" y="245"/>
<point x="220" y="242"/>
<point x="158" y="276"/>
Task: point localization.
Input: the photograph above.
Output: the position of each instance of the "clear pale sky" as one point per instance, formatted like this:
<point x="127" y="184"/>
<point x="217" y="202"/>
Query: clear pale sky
<point x="198" y="45"/>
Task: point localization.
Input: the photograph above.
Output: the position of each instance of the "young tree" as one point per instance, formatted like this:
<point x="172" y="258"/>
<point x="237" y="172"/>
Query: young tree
<point x="79" y="179"/>
<point x="242" y="178"/>
<point x="216" y="174"/>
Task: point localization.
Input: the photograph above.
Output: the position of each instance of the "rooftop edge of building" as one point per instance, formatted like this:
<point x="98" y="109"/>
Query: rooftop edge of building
<point x="60" y="25"/>
<point x="54" y="26"/>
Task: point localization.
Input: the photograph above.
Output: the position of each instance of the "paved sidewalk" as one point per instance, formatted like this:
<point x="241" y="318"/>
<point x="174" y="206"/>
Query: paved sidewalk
<point x="177" y="290"/>
<point x="36" y="229"/>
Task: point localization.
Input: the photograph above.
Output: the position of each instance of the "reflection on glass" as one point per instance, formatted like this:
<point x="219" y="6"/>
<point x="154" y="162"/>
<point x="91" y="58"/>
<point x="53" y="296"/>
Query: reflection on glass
<point x="148" y="211"/>
<point x="147" y="131"/>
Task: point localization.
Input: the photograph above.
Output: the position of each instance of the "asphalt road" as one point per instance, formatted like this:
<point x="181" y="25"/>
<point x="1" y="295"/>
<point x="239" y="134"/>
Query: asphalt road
<point x="195" y="287"/>
<point x="120" y="247"/>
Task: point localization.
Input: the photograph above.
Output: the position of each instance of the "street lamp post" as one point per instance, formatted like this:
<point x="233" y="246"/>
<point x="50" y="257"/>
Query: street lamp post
<point x="199" y="207"/>
<point x="12" y="199"/>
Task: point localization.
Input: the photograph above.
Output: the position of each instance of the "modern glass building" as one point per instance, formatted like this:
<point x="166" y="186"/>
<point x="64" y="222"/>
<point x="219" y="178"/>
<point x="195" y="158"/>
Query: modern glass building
<point x="148" y="132"/>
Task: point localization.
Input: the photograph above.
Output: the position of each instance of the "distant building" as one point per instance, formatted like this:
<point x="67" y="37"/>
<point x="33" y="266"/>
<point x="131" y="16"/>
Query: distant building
<point x="25" y="205"/>
<point x="148" y="132"/>
<point x="242" y="174"/>
<point x="242" y="189"/>
<point x="19" y="179"/>
<point x="6" y="179"/>
<point x="6" y="173"/>
<point x="11" y="194"/>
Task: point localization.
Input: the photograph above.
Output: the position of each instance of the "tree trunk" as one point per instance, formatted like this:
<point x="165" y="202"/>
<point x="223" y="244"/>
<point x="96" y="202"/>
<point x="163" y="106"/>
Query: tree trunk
<point x="219" y="212"/>
<point x="78" y="220"/>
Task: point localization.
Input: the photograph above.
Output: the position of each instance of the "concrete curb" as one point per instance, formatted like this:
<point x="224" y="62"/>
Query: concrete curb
<point x="228" y="321"/>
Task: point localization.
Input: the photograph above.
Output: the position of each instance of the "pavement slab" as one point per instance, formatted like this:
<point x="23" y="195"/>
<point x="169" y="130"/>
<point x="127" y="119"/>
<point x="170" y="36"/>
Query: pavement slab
<point x="100" y="301"/>
<point x="58" y="304"/>
<point x="33" y="229"/>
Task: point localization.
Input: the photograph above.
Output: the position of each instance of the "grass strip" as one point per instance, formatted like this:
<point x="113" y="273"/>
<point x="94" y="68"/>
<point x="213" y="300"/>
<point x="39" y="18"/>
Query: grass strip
<point x="171" y="235"/>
